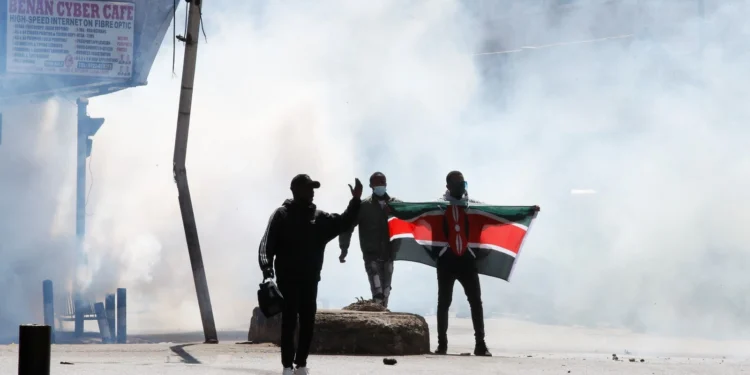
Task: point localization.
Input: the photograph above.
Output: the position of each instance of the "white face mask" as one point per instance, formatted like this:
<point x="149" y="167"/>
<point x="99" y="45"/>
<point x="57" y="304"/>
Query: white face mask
<point x="379" y="190"/>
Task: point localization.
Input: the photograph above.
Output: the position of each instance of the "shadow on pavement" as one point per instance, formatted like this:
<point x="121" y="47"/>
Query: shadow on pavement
<point x="186" y="357"/>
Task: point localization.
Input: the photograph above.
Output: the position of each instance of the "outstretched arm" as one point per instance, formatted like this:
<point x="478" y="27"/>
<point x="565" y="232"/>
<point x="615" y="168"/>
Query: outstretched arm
<point x="339" y="224"/>
<point x="345" y="239"/>
<point x="269" y="244"/>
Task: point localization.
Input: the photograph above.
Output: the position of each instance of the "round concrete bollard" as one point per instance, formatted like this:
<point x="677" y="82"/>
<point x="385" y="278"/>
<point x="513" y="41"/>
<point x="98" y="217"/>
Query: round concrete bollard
<point x="34" y="349"/>
<point x="353" y="332"/>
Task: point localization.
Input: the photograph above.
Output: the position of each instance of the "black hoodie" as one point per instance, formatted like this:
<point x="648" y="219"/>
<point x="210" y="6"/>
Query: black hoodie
<point x="296" y="237"/>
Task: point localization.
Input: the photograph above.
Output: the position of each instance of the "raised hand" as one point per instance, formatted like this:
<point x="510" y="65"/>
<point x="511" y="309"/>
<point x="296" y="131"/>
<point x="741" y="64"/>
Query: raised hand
<point x="357" y="189"/>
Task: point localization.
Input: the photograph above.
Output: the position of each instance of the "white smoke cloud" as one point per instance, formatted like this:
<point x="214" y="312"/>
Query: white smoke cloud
<point x="342" y="89"/>
<point x="36" y="241"/>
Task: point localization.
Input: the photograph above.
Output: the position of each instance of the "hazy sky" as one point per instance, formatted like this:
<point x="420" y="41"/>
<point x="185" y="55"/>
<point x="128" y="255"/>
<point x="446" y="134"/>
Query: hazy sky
<point x="655" y="124"/>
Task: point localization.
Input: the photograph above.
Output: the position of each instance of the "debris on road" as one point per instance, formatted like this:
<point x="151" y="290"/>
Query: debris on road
<point x="66" y="363"/>
<point x="389" y="361"/>
<point x="366" y="305"/>
<point x="614" y="357"/>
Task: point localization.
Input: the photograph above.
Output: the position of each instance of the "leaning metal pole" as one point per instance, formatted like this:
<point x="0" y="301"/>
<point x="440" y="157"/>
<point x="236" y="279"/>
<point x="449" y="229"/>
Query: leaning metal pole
<point x="180" y="174"/>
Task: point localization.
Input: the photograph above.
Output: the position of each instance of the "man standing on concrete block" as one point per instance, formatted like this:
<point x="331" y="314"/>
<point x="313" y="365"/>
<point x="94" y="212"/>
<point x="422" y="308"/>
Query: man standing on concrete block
<point x="374" y="239"/>
<point x="293" y="245"/>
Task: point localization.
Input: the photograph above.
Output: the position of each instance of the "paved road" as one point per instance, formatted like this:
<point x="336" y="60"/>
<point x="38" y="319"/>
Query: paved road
<point x="187" y="359"/>
<point x="520" y="348"/>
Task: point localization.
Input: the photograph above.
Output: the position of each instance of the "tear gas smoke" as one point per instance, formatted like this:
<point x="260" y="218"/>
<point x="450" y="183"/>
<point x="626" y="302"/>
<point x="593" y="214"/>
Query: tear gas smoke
<point x="35" y="203"/>
<point x="653" y="122"/>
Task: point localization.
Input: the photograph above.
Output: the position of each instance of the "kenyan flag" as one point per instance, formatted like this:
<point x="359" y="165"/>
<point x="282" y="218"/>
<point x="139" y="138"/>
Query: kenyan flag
<point x="495" y="234"/>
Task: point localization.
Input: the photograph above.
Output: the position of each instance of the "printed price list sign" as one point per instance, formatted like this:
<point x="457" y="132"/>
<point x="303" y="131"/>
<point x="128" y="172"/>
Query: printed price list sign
<point x="70" y="37"/>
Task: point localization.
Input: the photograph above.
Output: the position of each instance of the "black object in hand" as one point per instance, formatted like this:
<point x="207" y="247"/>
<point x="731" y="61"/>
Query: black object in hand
<point x="270" y="299"/>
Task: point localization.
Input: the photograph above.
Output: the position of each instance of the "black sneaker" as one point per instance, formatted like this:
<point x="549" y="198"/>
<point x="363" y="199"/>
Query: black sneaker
<point x="442" y="349"/>
<point x="481" y="350"/>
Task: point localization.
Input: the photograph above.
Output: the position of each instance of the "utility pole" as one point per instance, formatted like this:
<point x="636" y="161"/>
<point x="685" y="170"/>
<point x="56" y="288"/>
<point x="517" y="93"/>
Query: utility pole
<point x="87" y="127"/>
<point x="180" y="173"/>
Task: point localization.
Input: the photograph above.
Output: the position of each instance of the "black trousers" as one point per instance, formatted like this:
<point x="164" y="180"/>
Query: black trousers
<point x="300" y="302"/>
<point x="448" y="271"/>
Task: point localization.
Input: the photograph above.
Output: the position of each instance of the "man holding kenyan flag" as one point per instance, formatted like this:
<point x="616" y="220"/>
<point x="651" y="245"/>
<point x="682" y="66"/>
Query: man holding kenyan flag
<point x="462" y="238"/>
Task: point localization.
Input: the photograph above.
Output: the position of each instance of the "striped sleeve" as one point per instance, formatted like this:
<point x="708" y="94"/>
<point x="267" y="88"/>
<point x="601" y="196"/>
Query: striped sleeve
<point x="269" y="242"/>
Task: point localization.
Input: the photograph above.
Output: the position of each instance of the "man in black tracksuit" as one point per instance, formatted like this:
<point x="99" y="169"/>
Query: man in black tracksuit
<point x="458" y="263"/>
<point x="294" y="245"/>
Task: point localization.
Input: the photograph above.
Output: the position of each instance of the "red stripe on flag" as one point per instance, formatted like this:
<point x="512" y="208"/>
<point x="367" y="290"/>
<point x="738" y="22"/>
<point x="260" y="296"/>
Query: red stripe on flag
<point x="482" y="230"/>
<point x="487" y="231"/>
<point x="427" y="228"/>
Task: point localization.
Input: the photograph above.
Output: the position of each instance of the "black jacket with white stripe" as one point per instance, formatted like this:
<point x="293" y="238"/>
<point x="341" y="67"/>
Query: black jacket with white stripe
<point x="296" y="238"/>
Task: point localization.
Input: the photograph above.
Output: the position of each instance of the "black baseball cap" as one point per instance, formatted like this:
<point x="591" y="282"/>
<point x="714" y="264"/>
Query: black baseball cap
<point x="303" y="180"/>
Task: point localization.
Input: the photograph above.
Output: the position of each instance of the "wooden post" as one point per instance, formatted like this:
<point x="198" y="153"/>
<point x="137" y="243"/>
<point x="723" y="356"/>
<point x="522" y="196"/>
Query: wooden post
<point x="109" y="308"/>
<point x="122" y="327"/>
<point x="101" y="318"/>
<point x="34" y="349"/>
<point x="48" y="298"/>
<point x="180" y="173"/>
<point x="78" y="307"/>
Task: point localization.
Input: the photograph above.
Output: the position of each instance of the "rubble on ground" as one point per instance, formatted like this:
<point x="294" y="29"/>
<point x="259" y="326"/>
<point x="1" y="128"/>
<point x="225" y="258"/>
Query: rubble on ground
<point x="366" y="305"/>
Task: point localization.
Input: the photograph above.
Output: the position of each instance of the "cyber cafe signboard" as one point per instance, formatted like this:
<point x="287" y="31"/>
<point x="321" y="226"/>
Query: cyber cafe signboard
<point x="70" y="37"/>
